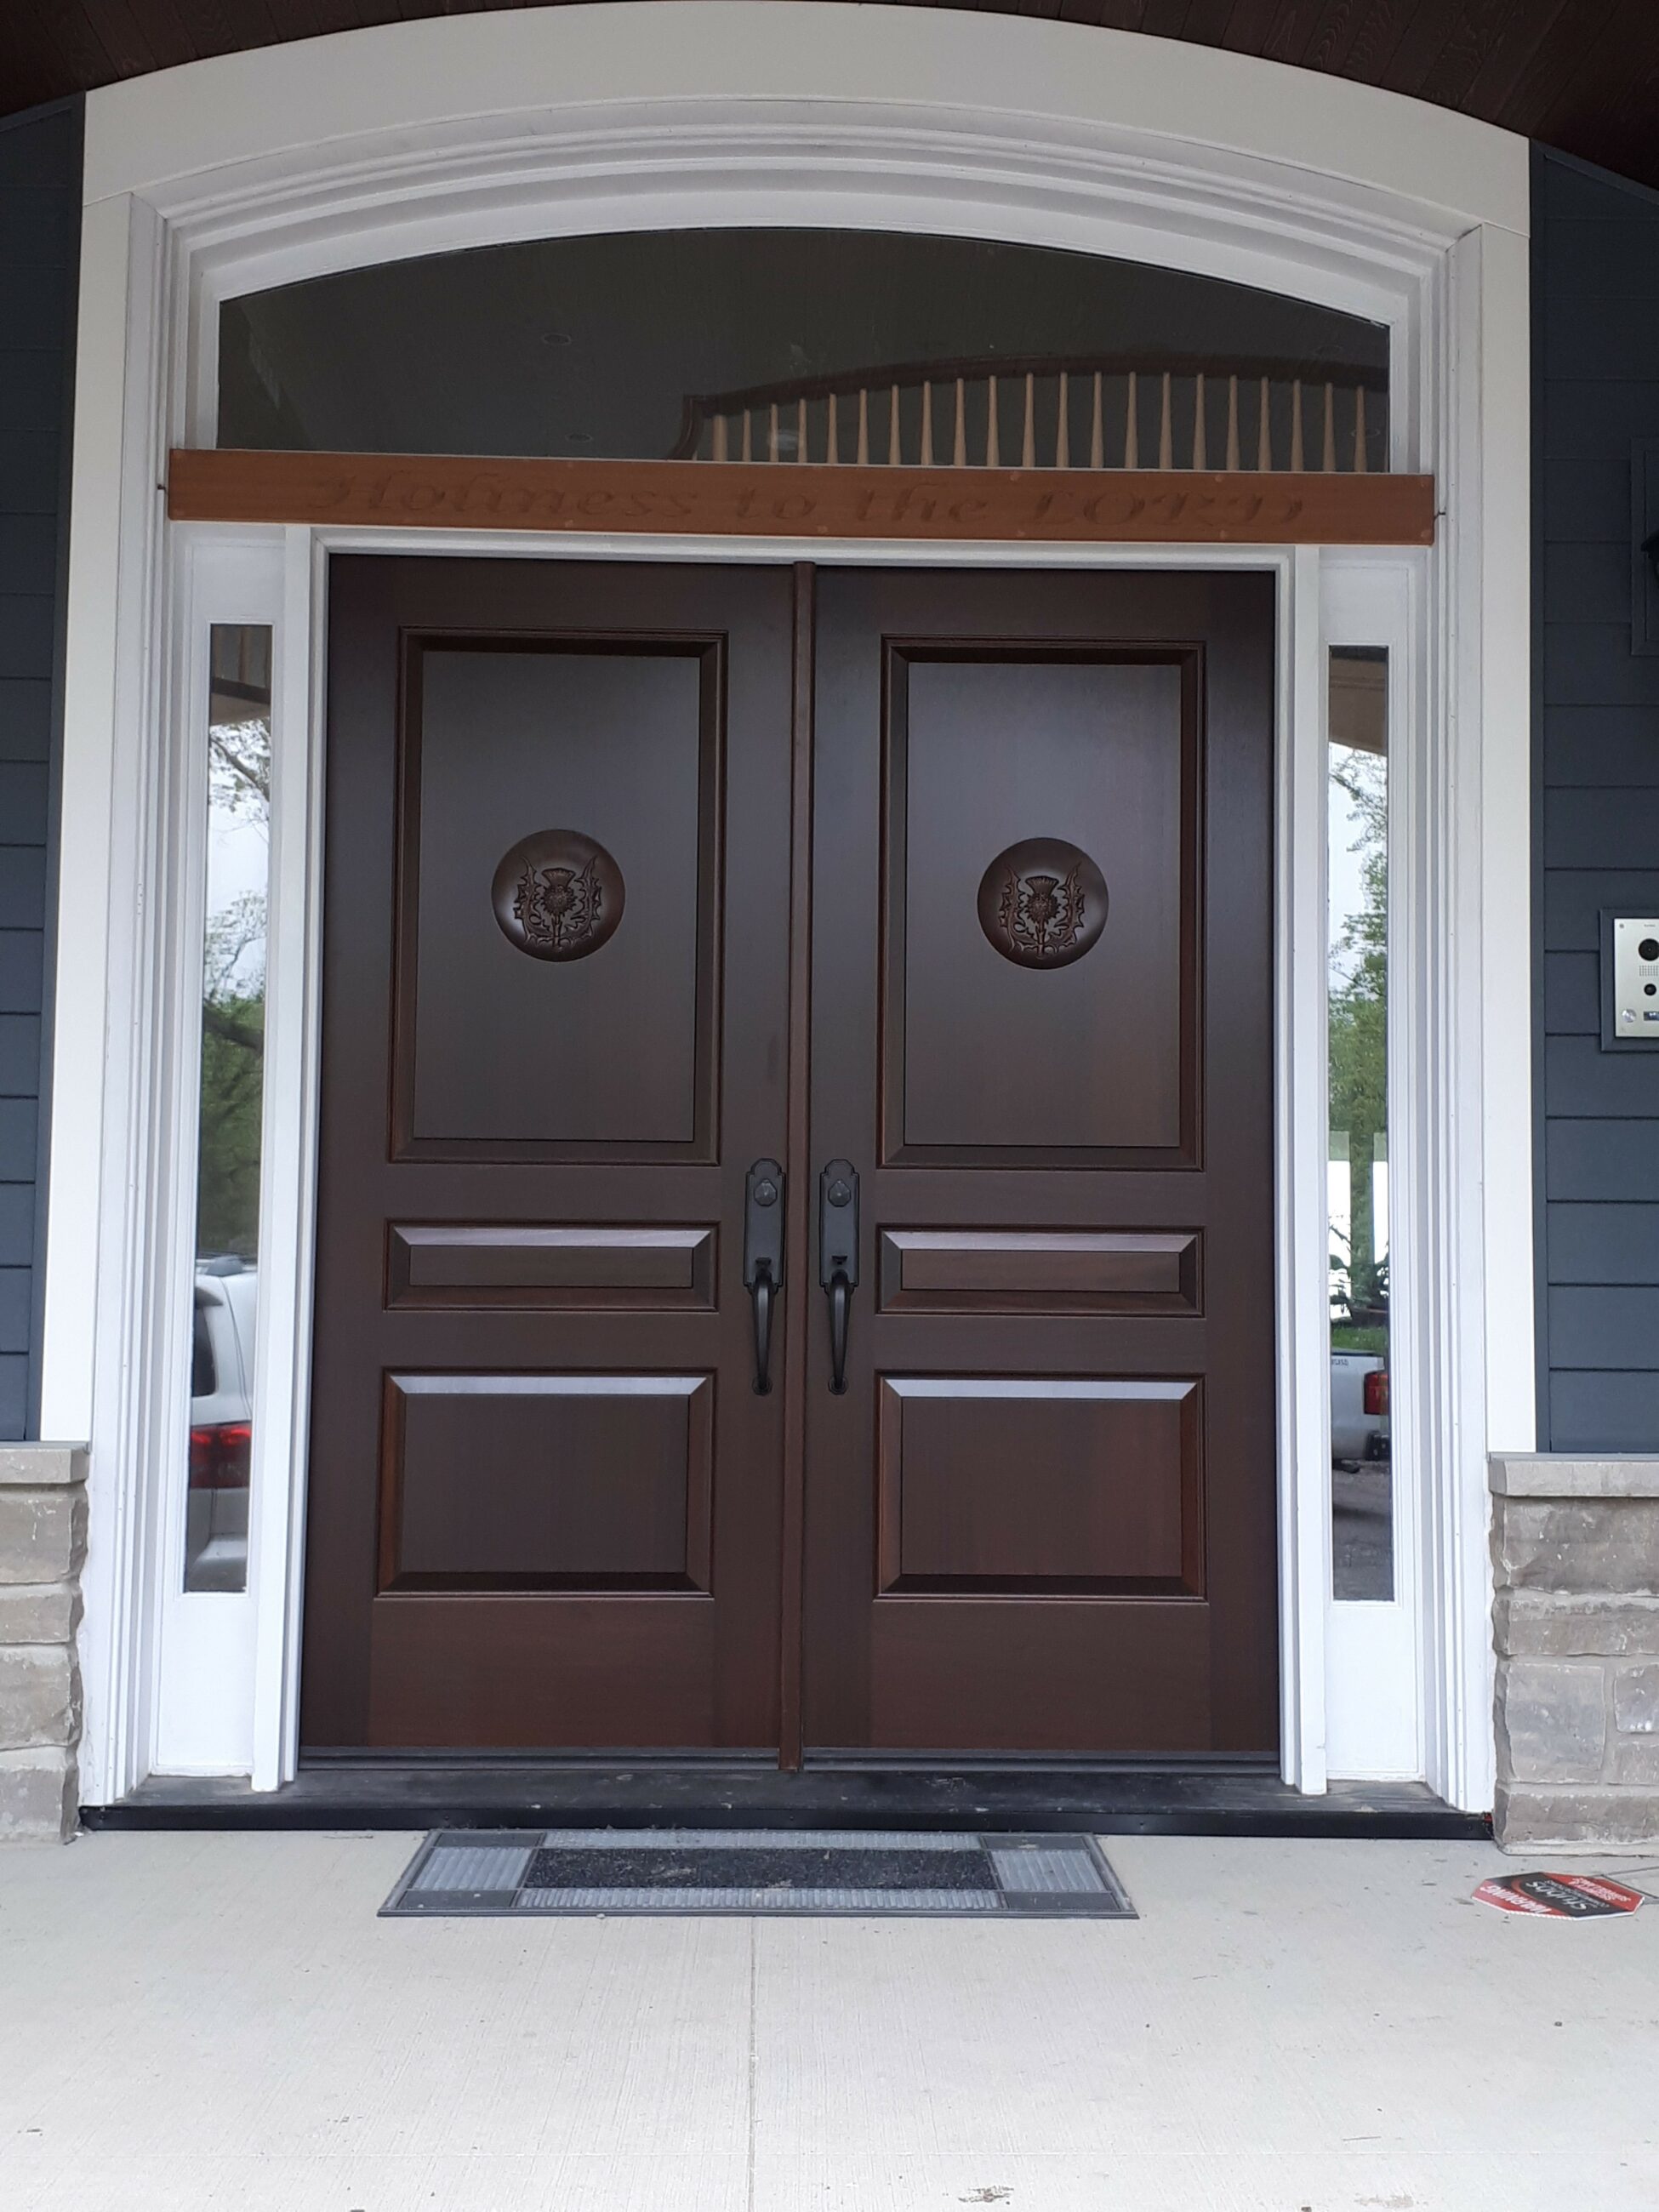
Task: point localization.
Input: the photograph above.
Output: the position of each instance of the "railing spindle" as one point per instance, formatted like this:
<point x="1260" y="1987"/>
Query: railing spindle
<point x="776" y="423"/>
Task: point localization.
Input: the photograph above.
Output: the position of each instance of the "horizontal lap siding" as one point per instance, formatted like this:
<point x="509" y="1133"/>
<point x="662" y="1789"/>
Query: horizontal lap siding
<point x="1596" y="303"/>
<point x="39" y="239"/>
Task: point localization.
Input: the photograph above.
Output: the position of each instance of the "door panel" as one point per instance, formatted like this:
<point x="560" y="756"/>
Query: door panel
<point x="1031" y="1270"/>
<point x="543" y="1504"/>
<point x="524" y="1482"/>
<point x="623" y="747"/>
<point x="988" y="750"/>
<point x="1042" y="1517"/>
<point x="464" y="1264"/>
<point x="994" y="1483"/>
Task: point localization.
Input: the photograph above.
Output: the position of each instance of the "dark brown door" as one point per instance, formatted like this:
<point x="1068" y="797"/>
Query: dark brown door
<point x="547" y="1508"/>
<point x="1042" y="1515"/>
<point x="543" y="1497"/>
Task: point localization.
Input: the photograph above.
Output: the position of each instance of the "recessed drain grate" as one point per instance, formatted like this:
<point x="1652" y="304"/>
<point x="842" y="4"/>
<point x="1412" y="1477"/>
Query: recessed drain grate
<point x="461" y="1873"/>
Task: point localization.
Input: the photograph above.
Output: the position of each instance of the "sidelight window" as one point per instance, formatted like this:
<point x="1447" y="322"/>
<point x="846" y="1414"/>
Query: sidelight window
<point x="820" y="346"/>
<point x="230" y="1106"/>
<point x="1356" y="943"/>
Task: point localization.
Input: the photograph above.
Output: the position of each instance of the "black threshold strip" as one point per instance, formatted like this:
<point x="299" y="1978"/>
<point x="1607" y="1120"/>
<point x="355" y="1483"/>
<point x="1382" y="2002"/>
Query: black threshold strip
<point x="586" y="1873"/>
<point x="1052" y="1798"/>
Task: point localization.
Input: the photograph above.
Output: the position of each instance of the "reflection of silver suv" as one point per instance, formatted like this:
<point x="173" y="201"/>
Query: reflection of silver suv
<point x="220" y="1426"/>
<point x="1360" y="1406"/>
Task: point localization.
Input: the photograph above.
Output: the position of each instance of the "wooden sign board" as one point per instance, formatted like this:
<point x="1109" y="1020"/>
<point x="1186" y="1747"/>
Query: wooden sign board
<point x="787" y="500"/>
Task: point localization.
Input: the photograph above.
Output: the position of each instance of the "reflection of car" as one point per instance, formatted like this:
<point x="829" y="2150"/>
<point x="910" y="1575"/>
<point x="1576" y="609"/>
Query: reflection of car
<point x="1359" y="1406"/>
<point x="221" y="1425"/>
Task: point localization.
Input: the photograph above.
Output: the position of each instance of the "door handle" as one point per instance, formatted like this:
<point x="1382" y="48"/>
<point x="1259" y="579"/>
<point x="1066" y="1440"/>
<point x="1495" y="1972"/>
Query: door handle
<point x="838" y="1258"/>
<point x="762" y="1259"/>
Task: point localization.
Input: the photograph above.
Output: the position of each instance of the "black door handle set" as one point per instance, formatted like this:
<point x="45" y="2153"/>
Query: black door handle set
<point x="838" y="1258"/>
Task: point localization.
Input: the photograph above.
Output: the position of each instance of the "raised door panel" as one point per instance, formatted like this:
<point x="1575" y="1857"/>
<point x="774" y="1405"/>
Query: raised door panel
<point x="1033" y="1271"/>
<point x="546" y="1482"/>
<point x="1041" y="894"/>
<point x="1035" y="1485"/>
<point x="553" y="1001"/>
<point x="464" y="1265"/>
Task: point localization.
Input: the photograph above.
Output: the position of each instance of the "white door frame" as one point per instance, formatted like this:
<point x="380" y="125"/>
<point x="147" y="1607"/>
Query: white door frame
<point x="419" y="138"/>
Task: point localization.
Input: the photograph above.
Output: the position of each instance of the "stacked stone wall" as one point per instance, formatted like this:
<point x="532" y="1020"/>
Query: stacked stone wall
<point x="1576" y="1629"/>
<point x="43" y="1535"/>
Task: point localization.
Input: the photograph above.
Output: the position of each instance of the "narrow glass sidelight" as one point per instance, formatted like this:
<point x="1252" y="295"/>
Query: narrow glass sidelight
<point x="230" y="1108"/>
<point x="1357" y="816"/>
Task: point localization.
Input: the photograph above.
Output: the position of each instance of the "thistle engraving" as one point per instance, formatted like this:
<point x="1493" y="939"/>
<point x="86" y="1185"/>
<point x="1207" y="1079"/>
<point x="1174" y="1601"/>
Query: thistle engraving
<point x="558" y="909"/>
<point x="557" y="896"/>
<point x="1042" y="902"/>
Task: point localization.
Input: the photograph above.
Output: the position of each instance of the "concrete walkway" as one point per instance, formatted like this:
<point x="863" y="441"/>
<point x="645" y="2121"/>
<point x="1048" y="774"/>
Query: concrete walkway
<point x="220" y="2021"/>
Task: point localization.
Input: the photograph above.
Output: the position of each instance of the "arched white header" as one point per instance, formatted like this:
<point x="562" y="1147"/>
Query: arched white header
<point x="505" y="69"/>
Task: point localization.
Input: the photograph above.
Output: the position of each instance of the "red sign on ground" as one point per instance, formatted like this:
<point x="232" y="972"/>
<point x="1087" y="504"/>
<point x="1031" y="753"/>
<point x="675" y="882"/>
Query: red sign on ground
<point x="1559" y="1896"/>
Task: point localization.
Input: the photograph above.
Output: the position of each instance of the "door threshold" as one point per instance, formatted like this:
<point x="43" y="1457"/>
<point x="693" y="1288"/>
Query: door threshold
<point x="1211" y="1798"/>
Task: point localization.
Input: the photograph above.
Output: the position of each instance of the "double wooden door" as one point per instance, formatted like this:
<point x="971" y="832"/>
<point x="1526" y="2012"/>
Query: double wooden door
<point x="862" y="977"/>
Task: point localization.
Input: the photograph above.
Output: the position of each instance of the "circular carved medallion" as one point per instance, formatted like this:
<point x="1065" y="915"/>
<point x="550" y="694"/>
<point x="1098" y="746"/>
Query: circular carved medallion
<point x="1042" y="902"/>
<point x="557" y="896"/>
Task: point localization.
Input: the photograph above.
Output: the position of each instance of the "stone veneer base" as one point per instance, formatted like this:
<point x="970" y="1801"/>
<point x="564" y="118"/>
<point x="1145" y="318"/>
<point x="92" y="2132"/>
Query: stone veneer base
<point x="43" y="1535"/>
<point x="1576" y="1629"/>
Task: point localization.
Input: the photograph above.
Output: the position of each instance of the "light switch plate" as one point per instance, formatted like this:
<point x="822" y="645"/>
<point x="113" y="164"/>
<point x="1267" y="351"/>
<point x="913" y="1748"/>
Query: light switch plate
<point x="1630" y="982"/>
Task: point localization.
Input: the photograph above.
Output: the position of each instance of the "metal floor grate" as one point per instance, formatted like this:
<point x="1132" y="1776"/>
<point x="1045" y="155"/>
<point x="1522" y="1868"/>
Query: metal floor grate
<point x="461" y="1873"/>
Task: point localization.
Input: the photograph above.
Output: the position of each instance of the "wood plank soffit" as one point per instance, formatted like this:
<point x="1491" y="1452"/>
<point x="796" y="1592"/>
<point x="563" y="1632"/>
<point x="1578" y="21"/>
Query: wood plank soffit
<point x="789" y="499"/>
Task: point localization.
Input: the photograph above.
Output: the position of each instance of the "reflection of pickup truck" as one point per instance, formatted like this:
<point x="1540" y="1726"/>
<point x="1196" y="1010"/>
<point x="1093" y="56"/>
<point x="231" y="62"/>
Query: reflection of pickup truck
<point x="1359" y="1406"/>
<point x="220" y="1426"/>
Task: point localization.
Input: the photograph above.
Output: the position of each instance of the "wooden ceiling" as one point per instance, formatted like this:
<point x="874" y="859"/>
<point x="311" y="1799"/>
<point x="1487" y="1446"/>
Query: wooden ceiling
<point x="1582" y="74"/>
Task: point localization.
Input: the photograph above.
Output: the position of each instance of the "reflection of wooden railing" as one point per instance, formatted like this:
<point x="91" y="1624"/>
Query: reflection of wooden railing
<point x="1105" y="412"/>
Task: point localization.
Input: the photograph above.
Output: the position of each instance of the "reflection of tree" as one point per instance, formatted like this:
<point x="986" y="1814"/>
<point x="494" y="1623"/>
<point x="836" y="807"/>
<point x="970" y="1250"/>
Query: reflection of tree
<point x="234" y="1012"/>
<point x="239" y="767"/>
<point x="1359" y="1033"/>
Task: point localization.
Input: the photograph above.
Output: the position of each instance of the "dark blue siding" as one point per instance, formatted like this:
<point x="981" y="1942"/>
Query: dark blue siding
<point x="1596" y="276"/>
<point x="39" y="242"/>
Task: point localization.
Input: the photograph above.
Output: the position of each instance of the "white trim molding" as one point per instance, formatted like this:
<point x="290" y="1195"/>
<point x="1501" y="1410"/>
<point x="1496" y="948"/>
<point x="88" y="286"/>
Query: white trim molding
<point x="230" y="175"/>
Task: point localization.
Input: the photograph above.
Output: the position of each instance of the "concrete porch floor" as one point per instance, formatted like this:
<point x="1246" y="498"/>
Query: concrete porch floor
<point x="193" y="2021"/>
